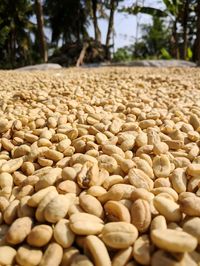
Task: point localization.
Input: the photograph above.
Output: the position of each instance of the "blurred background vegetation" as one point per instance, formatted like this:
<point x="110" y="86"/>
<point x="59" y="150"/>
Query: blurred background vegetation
<point x="173" y="34"/>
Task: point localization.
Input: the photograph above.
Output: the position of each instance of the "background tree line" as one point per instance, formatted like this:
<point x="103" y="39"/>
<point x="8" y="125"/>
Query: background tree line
<point x="174" y="32"/>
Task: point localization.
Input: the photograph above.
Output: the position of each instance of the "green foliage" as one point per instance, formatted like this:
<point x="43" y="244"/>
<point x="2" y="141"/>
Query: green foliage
<point x="154" y="44"/>
<point x="140" y="50"/>
<point x="165" y="54"/>
<point x="15" y="29"/>
<point x="4" y="32"/>
<point x="122" y="54"/>
<point x="68" y="19"/>
<point x="145" y="10"/>
<point x="154" y="38"/>
<point x="189" y="53"/>
<point x="182" y="27"/>
<point x="173" y="6"/>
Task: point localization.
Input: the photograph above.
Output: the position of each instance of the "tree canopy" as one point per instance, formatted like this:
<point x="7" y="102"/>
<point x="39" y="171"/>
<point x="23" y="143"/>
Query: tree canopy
<point x="174" y="32"/>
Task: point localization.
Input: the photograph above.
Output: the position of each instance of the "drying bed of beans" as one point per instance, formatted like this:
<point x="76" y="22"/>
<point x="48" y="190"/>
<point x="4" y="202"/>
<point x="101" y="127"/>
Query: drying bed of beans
<point x="100" y="167"/>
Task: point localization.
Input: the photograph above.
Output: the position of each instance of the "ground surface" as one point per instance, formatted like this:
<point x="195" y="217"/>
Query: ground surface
<point x="175" y="85"/>
<point x="118" y="151"/>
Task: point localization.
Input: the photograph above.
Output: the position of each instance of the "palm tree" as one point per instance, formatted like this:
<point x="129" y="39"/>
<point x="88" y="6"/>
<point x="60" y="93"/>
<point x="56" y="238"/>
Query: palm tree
<point x="68" y="20"/>
<point x="40" y="25"/>
<point x="15" y="29"/>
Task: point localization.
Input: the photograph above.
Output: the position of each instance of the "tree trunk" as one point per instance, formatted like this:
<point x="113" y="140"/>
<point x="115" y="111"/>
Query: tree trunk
<point x="40" y="25"/>
<point x="97" y="32"/>
<point x="78" y="24"/>
<point x="12" y="47"/>
<point x="174" y="41"/>
<point x="82" y="55"/>
<point x="110" y="28"/>
<point x="185" y="22"/>
<point x="197" y="41"/>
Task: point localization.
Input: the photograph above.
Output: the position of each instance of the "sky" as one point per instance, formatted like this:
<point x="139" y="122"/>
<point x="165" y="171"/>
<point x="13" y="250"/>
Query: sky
<point x="125" y="25"/>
